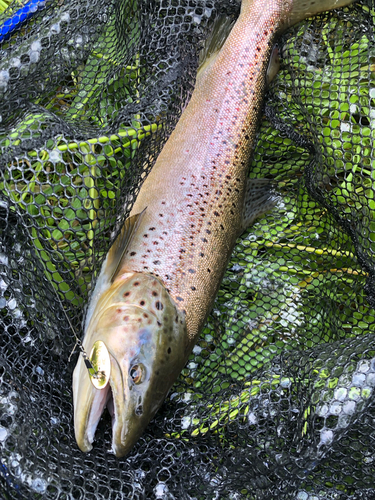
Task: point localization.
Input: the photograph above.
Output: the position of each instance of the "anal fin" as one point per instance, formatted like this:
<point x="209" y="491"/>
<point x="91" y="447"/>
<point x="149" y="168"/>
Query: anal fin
<point x="273" y="65"/>
<point x="260" y="197"/>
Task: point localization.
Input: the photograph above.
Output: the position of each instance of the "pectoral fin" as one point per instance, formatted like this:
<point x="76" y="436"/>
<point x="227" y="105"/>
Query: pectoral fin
<point x="120" y="245"/>
<point x="260" y="197"/>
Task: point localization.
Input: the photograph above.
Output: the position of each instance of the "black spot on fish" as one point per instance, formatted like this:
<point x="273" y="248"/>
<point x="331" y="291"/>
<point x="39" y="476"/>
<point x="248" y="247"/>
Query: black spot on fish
<point x="139" y="410"/>
<point x="158" y="323"/>
<point x="132" y="253"/>
<point x="151" y="229"/>
<point x="145" y="315"/>
<point x="192" y="271"/>
<point x="159" y="306"/>
<point x="126" y="294"/>
<point x="209" y="270"/>
<point x="142" y="303"/>
<point x="193" y="288"/>
<point x="208" y="231"/>
<point x="154" y="294"/>
<point x="169" y="350"/>
<point x="204" y="240"/>
<point x="201" y="254"/>
<point x="145" y="235"/>
<point x="136" y="283"/>
<point x="156" y="262"/>
<point x="180" y="299"/>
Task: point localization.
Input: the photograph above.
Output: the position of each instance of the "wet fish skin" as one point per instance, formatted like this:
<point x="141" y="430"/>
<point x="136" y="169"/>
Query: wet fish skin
<point x="195" y="202"/>
<point x="196" y="207"/>
<point x="146" y="336"/>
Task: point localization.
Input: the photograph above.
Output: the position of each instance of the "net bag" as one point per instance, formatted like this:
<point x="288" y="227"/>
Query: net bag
<point x="277" y="399"/>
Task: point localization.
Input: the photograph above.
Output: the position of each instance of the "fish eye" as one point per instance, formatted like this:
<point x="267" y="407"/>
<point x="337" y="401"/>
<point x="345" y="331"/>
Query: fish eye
<point x="137" y="373"/>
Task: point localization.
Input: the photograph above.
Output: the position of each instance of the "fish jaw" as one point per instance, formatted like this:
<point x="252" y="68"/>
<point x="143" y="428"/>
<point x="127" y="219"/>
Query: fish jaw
<point x="89" y="404"/>
<point x="146" y="339"/>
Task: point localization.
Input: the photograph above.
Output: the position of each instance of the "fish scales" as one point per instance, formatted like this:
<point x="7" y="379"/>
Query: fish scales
<point x="162" y="274"/>
<point x="194" y="209"/>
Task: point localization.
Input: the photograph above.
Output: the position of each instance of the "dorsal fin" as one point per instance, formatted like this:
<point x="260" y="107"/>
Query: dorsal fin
<point x="121" y="243"/>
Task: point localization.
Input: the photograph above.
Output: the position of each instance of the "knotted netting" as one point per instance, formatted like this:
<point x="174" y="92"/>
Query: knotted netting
<point x="277" y="399"/>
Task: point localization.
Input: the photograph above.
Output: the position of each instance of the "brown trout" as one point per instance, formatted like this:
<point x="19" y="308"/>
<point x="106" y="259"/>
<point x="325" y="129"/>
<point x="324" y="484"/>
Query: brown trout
<point x="162" y="274"/>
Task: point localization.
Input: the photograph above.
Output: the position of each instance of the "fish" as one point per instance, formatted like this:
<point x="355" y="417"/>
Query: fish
<point x="162" y="273"/>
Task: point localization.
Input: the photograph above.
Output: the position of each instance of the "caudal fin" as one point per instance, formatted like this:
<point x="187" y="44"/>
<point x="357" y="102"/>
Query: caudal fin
<point x="302" y="9"/>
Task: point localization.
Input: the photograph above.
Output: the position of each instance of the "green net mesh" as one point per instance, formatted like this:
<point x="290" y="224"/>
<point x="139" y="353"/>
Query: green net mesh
<point x="276" y="400"/>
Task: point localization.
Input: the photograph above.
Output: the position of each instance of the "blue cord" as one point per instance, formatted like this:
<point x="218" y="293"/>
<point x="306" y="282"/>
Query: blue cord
<point x="22" y="15"/>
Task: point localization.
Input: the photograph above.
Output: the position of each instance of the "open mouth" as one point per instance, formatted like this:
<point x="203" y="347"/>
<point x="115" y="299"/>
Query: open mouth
<point x="102" y="398"/>
<point x="105" y="398"/>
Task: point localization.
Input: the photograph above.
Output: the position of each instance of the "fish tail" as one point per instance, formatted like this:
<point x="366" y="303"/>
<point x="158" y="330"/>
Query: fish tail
<point x="302" y="9"/>
<point x="290" y="12"/>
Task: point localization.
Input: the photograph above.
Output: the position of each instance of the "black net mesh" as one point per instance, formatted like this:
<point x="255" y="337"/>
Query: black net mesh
<point x="277" y="399"/>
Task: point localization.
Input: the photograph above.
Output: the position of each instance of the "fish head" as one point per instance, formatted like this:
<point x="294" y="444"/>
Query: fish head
<point x="145" y="335"/>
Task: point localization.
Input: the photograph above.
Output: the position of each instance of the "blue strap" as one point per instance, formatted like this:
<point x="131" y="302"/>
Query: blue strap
<point x="22" y="15"/>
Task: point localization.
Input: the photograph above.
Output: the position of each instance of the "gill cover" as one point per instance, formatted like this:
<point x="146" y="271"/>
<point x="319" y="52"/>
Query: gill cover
<point x="145" y="336"/>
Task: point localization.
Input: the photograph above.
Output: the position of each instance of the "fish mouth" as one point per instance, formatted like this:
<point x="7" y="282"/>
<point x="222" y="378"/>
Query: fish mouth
<point x="127" y="426"/>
